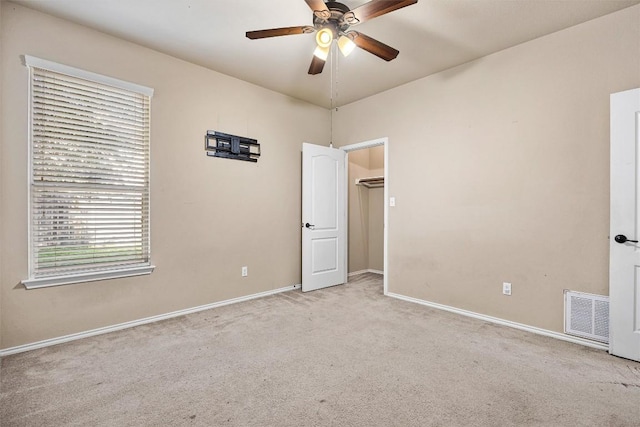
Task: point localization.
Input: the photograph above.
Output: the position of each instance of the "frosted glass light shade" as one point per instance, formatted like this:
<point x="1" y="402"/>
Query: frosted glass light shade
<point x="321" y="52"/>
<point x="324" y="37"/>
<point x="346" y="45"/>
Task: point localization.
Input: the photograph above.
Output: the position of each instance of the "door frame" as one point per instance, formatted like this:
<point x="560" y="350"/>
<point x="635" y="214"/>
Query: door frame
<point x="625" y="118"/>
<point x="329" y="277"/>
<point x="360" y="146"/>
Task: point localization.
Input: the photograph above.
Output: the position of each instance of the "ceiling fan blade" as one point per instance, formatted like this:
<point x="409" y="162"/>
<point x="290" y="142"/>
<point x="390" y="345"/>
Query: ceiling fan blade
<point x="373" y="46"/>
<point x="373" y="9"/>
<point x="275" y="32"/>
<point x="319" y="8"/>
<point x="316" y="66"/>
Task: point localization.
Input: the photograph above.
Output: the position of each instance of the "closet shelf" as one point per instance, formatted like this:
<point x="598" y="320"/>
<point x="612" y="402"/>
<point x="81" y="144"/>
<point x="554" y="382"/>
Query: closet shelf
<point x="371" y="182"/>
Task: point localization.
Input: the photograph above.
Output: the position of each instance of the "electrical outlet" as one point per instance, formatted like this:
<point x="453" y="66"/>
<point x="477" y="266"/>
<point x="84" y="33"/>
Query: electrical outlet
<point x="392" y="201"/>
<point x="506" y="288"/>
<point x="245" y="271"/>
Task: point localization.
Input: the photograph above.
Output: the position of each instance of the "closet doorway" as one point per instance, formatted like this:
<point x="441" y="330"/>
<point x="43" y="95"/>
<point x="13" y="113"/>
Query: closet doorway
<point x="367" y="218"/>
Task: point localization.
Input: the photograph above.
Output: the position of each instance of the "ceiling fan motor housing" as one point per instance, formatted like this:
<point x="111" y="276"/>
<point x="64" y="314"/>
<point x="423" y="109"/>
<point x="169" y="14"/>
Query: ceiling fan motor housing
<point x="334" y="20"/>
<point x="331" y="22"/>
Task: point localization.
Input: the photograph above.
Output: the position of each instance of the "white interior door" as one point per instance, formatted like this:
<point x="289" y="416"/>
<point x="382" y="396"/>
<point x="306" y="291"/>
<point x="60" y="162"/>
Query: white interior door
<point x="624" y="263"/>
<point x="323" y="217"/>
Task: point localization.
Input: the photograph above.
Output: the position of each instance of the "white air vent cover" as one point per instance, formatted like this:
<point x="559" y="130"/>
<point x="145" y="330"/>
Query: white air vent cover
<point x="586" y="315"/>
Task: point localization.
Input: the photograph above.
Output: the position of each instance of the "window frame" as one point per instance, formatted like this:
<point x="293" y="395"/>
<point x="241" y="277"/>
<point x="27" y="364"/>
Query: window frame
<point x="83" y="276"/>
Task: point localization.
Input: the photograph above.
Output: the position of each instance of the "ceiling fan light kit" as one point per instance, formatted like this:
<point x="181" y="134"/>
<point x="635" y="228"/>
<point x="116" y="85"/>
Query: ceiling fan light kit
<point x="322" y="52"/>
<point x="324" y="37"/>
<point x="332" y="21"/>
<point x="346" y="45"/>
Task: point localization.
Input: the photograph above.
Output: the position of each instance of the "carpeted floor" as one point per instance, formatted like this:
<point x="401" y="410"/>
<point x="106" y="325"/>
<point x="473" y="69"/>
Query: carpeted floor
<point x="344" y="356"/>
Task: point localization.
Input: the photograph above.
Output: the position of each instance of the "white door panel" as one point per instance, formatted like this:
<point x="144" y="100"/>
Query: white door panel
<point x="624" y="262"/>
<point x="323" y="217"/>
<point x="325" y="255"/>
<point x="324" y="206"/>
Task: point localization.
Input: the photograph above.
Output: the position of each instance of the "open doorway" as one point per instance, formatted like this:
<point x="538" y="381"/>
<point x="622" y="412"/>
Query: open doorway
<point x="367" y="191"/>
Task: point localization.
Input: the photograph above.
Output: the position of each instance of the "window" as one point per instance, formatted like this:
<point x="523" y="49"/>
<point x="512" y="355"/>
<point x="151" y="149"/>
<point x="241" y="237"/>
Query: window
<point x="89" y="176"/>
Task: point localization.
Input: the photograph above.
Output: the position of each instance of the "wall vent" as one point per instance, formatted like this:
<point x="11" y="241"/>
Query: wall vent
<point x="586" y="315"/>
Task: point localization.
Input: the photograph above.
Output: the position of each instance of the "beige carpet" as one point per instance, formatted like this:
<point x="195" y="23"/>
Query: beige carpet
<point x="344" y="356"/>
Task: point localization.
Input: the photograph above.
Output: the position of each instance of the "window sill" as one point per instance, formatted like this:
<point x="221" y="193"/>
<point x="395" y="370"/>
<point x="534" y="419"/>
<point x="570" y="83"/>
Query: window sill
<point x="45" y="282"/>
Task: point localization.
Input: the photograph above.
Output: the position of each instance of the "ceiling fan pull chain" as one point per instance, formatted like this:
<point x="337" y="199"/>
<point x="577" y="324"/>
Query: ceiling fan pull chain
<point x="331" y="96"/>
<point x="337" y="58"/>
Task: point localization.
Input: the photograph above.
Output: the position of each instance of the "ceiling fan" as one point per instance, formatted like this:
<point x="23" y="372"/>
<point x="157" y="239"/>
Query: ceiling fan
<point x="332" y="21"/>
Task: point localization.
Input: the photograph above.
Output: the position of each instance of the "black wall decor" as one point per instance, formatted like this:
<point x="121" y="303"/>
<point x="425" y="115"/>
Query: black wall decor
<point x="218" y="144"/>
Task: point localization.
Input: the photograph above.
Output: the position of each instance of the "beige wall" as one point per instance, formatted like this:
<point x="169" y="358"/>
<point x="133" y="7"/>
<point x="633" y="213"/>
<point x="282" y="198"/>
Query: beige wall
<point x="500" y="169"/>
<point x="366" y="211"/>
<point x="209" y="216"/>
<point x="376" y="211"/>
<point x="358" y="214"/>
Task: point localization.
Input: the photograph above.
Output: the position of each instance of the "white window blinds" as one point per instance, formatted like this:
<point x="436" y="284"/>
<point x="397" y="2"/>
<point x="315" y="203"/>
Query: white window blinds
<point x="90" y="179"/>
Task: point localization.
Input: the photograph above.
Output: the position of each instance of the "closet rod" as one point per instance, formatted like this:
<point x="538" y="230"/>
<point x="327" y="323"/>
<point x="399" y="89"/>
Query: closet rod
<point x="371" y="182"/>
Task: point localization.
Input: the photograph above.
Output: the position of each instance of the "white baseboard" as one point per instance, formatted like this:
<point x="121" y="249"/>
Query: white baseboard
<point x="521" y="326"/>
<point x="355" y="273"/>
<point x="133" y="323"/>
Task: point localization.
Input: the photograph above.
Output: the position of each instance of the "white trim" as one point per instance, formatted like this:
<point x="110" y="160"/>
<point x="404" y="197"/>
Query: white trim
<point x="368" y="270"/>
<point x="368" y="144"/>
<point x="29" y="180"/>
<point x="46" y="282"/>
<point x="133" y="323"/>
<point x="385" y="245"/>
<point x="346" y="215"/>
<point x="355" y="273"/>
<point x="364" y="144"/>
<point x="127" y="271"/>
<point x="515" y="325"/>
<point x="32" y="61"/>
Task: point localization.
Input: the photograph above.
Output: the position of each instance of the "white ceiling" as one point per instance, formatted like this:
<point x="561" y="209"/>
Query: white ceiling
<point x="431" y="36"/>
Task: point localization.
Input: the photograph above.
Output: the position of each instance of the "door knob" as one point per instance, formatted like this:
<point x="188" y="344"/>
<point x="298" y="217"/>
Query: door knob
<point x="310" y="226"/>
<point x="621" y="238"/>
